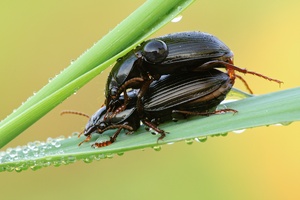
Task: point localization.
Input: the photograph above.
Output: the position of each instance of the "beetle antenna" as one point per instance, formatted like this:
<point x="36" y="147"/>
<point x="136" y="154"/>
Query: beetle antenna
<point x="74" y="113"/>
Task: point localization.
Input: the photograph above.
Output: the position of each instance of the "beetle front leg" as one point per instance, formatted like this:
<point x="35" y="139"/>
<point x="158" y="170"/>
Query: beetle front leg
<point x="88" y="138"/>
<point x="115" y="135"/>
<point x="109" y="142"/>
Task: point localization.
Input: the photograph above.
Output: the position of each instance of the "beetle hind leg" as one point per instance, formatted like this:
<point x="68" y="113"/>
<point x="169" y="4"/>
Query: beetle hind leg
<point x="156" y="129"/>
<point x="231" y="69"/>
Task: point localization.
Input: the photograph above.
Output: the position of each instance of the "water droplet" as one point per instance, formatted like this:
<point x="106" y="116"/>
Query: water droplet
<point x="32" y="146"/>
<point x="60" y="152"/>
<point x="120" y="153"/>
<point x="46" y="164"/>
<point x="75" y="134"/>
<point x="37" y="143"/>
<point x="62" y="137"/>
<point x="110" y="155"/>
<point x="49" y="140"/>
<point x="48" y="146"/>
<point x="18" y="148"/>
<point x="13" y="153"/>
<point x="157" y="148"/>
<point x="71" y="159"/>
<point x="2" y="169"/>
<point x="100" y="156"/>
<point x="201" y="139"/>
<point x="189" y="141"/>
<point x="25" y="150"/>
<point x="239" y="131"/>
<point x="224" y="134"/>
<point x="177" y="19"/>
<point x="75" y="90"/>
<point x="55" y="143"/>
<point x="24" y="166"/>
<point x="18" y="169"/>
<point x="88" y="159"/>
<point x="285" y="123"/>
<point x="56" y="163"/>
<point x="35" y="166"/>
<point x="10" y="168"/>
<point x="8" y="150"/>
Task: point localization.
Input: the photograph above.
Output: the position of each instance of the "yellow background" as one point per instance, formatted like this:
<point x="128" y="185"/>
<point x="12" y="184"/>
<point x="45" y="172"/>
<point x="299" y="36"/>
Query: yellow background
<point x="40" y="38"/>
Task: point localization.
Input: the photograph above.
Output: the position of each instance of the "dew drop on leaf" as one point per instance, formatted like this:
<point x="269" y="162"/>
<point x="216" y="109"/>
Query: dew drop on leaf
<point x="239" y="131"/>
<point x="201" y="139"/>
<point x="157" y="148"/>
<point x="189" y="141"/>
<point x="177" y="19"/>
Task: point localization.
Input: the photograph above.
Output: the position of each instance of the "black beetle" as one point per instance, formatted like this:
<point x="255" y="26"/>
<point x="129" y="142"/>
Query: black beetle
<point x="168" y="98"/>
<point x="170" y="54"/>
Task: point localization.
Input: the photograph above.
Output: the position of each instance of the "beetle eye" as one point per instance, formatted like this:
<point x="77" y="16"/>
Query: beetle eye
<point x="113" y="92"/>
<point x="155" y="51"/>
<point x="102" y="126"/>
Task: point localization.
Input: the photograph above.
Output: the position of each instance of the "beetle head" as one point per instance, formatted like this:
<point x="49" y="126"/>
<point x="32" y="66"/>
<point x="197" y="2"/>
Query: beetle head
<point x="96" y="122"/>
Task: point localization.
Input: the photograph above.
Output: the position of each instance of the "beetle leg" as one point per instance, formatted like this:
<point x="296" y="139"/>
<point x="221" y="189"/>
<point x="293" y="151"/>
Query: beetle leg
<point x="109" y="142"/>
<point x="120" y="108"/>
<point x="116" y="126"/>
<point x="128" y="83"/>
<point x="107" y="112"/>
<point x="101" y="144"/>
<point x="129" y="132"/>
<point x="141" y="93"/>
<point x="88" y="138"/>
<point x="245" y="83"/>
<point x="115" y="135"/>
<point x="205" y="113"/>
<point x="231" y="71"/>
<point x="155" y="128"/>
<point x="123" y="88"/>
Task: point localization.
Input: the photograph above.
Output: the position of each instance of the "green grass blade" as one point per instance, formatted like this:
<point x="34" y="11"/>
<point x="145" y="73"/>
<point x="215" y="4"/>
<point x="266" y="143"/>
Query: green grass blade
<point x="279" y="107"/>
<point x="134" y="29"/>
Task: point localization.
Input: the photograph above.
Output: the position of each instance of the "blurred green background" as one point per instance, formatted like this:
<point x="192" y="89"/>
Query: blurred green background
<point x="40" y="38"/>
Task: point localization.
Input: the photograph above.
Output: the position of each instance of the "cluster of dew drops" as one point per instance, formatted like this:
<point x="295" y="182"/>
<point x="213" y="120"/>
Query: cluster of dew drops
<point x="23" y="157"/>
<point x="36" y="155"/>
